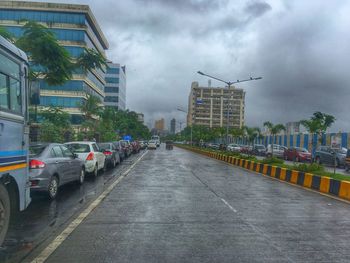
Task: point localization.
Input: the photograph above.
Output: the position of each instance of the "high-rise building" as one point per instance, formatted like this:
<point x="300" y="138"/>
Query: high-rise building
<point x="209" y="106"/>
<point x="159" y="124"/>
<point x="173" y="126"/>
<point x="141" y="117"/>
<point x="76" y="28"/>
<point x="115" y="89"/>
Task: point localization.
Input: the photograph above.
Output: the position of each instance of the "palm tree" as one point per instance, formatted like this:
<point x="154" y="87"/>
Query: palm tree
<point x="274" y="130"/>
<point x="90" y="107"/>
<point x="252" y="133"/>
<point x="318" y="124"/>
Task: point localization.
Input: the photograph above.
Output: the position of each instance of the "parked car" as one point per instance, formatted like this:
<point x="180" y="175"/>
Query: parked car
<point x="152" y="144"/>
<point x="214" y="146"/>
<point x="329" y="156"/>
<point x="278" y="150"/>
<point x="233" y="147"/>
<point x="297" y="154"/>
<point x="122" y="154"/>
<point x="247" y="149"/>
<point x="127" y="148"/>
<point x="111" y="153"/>
<point x="347" y="160"/>
<point x="90" y="153"/>
<point x="259" y="149"/>
<point x="52" y="165"/>
<point x="136" y="147"/>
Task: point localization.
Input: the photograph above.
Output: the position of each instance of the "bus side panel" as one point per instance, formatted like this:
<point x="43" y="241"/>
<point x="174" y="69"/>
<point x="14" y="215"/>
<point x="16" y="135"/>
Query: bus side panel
<point x="14" y="156"/>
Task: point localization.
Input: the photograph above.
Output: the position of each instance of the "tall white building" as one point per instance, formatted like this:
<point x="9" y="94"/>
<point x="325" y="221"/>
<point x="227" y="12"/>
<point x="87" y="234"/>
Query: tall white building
<point x="210" y="106"/>
<point x="115" y="89"/>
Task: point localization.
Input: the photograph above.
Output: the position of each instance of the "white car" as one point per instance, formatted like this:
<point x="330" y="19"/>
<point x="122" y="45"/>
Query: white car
<point x="234" y="148"/>
<point x="152" y="144"/>
<point x="278" y="150"/>
<point x="90" y="153"/>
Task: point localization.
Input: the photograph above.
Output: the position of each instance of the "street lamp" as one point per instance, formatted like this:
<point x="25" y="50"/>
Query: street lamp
<point x="229" y="83"/>
<point x="191" y="125"/>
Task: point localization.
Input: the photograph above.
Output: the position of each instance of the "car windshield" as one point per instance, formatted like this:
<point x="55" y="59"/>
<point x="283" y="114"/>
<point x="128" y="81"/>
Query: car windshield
<point x="342" y="151"/>
<point x="79" y="148"/>
<point x="260" y="146"/>
<point x="302" y="150"/>
<point x="104" y="146"/>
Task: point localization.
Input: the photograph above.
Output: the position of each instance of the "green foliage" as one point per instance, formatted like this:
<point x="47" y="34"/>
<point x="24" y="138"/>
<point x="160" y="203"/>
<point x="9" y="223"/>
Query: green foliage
<point x="49" y="132"/>
<point x="272" y="160"/>
<point x="90" y="107"/>
<point x="318" y="123"/>
<point x="44" y="51"/>
<point x="274" y="129"/>
<point x="90" y="59"/>
<point x="5" y="34"/>
<point x="56" y="116"/>
<point x="251" y="133"/>
<point x="308" y="168"/>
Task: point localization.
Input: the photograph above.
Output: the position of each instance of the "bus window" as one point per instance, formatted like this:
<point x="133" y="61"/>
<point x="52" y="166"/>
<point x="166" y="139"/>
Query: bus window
<point x="15" y="95"/>
<point x="4" y="101"/>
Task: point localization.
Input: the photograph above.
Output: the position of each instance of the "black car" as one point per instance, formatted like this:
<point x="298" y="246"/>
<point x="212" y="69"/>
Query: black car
<point x="111" y="152"/>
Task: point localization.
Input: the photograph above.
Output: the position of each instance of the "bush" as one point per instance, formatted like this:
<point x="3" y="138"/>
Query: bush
<point x="272" y="160"/>
<point x="308" y="168"/>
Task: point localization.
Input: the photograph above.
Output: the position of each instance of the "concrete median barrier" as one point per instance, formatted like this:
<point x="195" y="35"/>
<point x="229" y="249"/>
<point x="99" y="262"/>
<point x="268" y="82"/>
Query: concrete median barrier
<point x="321" y="184"/>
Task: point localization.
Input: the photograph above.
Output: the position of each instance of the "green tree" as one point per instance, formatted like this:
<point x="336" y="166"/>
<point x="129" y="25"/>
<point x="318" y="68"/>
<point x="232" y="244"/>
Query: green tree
<point x="90" y="59"/>
<point x="274" y="130"/>
<point x="318" y="124"/>
<point x="91" y="107"/>
<point x="236" y="133"/>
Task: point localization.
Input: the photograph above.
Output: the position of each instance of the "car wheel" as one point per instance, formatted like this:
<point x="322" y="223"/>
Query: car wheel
<point x="318" y="160"/>
<point x="81" y="176"/>
<point x="5" y="210"/>
<point x="114" y="163"/>
<point x="104" y="169"/>
<point x="53" y="187"/>
<point x="95" y="172"/>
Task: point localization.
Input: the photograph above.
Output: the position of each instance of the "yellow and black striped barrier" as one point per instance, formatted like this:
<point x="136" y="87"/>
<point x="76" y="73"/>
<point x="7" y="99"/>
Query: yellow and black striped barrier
<point x="322" y="184"/>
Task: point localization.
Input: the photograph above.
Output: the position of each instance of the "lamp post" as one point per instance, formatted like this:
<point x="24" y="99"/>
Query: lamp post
<point x="191" y="124"/>
<point x="229" y="83"/>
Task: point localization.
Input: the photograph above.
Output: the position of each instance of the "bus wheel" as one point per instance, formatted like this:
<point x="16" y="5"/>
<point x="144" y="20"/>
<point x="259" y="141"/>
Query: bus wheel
<point x="4" y="212"/>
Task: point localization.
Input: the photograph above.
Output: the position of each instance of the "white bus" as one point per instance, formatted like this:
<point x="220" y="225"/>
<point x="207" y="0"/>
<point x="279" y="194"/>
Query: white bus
<point x="14" y="133"/>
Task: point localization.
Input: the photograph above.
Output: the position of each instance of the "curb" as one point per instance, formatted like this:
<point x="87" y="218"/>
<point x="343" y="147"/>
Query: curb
<point x="322" y="184"/>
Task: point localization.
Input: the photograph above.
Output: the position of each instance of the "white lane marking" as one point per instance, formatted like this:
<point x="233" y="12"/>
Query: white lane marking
<point x="77" y="221"/>
<point x="229" y="206"/>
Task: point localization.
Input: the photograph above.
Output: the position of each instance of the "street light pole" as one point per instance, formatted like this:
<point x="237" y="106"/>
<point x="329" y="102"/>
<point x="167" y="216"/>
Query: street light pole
<point x="228" y="83"/>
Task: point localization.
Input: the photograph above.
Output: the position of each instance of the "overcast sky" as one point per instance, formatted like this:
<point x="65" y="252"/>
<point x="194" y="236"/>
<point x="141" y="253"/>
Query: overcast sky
<point x="300" y="48"/>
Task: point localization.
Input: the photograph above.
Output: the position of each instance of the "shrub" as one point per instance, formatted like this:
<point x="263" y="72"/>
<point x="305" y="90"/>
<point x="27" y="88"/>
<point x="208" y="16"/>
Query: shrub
<point x="308" y="168"/>
<point x="272" y="160"/>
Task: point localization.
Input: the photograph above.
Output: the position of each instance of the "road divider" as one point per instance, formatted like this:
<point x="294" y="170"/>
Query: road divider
<point x="315" y="182"/>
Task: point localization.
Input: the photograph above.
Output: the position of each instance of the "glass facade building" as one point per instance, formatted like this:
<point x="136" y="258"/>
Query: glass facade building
<point x="76" y="28"/>
<point x="115" y="88"/>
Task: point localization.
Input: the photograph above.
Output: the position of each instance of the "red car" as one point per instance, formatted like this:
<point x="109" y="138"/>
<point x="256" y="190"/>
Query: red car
<point x="297" y="154"/>
<point x="136" y="147"/>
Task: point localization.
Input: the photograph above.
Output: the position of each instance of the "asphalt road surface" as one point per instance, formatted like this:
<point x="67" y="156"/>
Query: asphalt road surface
<point x="177" y="206"/>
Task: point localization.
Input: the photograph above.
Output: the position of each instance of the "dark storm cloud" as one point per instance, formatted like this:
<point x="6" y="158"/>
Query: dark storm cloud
<point x="256" y="8"/>
<point x="301" y="48"/>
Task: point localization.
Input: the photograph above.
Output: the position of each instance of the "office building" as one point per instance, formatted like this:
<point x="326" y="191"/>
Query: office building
<point x="159" y="125"/>
<point x="76" y="28"/>
<point x="173" y="126"/>
<point x="115" y="89"/>
<point x="209" y="106"/>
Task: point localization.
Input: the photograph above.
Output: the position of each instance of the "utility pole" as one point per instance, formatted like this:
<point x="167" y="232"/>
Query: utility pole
<point x="228" y="83"/>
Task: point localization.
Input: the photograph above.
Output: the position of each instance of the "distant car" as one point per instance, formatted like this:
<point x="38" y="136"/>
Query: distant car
<point x="152" y="144"/>
<point x="233" y="147"/>
<point x="136" y="147"/>
<point x="127" y="148"/>
<point x="297" y="154"/>
<point x="247" y="149"/>
<point x="278" y="150"/>
<point x="347" y="160"/>
<point x="90" y="153"/>
<point x="118" y="145"/>
<point x="259" y="149"/>
<point x="214" y="146"/>
<point x="143" y="145"/>
<point x="329" y="156"/>
<point x="111" y="153"/>
<point x="52" y="165"/>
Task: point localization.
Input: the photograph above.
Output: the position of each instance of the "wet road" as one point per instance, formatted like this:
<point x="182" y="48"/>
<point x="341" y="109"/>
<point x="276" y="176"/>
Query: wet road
<point x="176" y="206"/>
<point x="43" y="218"/>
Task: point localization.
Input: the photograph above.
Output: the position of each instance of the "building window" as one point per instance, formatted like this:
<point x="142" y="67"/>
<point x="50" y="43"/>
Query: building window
<point x="112" y="89"/>
<point x="112" y="80"/>
<point x="111" y="99"/>
<point x="112" y="70"/>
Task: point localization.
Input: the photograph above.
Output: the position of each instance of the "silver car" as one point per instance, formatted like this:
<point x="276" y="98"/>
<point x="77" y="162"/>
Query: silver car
<point x="53" y="165"/>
